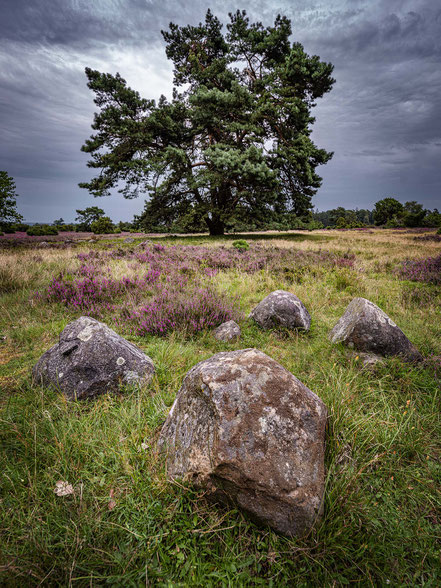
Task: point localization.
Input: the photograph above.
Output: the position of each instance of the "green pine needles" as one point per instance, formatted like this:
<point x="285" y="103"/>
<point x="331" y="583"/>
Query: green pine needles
<point x="234" y="144"/>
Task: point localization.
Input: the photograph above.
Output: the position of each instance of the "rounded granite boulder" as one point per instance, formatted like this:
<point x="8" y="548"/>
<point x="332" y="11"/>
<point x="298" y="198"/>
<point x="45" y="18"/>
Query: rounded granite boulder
<point x="248" y="432"/>
<point x="91" y="359"/>
<point x="281" y="309"/>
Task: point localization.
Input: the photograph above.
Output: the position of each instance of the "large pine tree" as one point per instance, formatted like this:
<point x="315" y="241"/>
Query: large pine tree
<point x="235" y="142"/>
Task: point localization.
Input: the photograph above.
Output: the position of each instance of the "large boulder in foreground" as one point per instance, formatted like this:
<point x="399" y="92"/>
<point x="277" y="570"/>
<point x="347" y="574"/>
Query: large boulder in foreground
<point x="281" y="309"/>
<point x="250" y="433"/>
<point x="92" y="359"/>
<point x="365" y="327"/>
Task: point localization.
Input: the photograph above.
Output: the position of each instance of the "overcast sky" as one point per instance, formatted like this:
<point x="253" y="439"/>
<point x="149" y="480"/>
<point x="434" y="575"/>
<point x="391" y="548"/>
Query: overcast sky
<point x="382" y="119"/>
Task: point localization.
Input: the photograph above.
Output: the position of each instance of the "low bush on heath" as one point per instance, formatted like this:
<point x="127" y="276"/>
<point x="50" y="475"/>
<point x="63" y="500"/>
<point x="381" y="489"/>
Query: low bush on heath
<point x="166" y="289"/>
<point x="40" y="230"/>
<point x="422" y="270"/>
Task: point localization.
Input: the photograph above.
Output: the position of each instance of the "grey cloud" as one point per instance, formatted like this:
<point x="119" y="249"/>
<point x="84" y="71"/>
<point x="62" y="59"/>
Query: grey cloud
<point x="382" y="119"/>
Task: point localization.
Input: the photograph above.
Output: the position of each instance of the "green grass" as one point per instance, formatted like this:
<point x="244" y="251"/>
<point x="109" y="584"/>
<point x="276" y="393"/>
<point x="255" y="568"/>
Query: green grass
<point x="126" y="525"/>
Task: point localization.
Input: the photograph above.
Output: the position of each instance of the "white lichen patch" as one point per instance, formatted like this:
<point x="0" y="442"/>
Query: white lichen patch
<point x="120" y="361"/>
<point x="86" y="334"/>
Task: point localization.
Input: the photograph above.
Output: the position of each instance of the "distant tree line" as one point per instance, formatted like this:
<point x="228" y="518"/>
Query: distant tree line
<point x="387" y="212"/>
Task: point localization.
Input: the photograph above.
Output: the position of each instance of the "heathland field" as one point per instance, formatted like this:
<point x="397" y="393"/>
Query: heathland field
<point x="123" y="523"/>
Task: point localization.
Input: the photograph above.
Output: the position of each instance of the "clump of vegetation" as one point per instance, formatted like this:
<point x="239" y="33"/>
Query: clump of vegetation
<point x="436" y="238"/>
<point x="8" y="203"/>
<point x="164" y="289"/>
<point x="21" y="227"/>
<point x="241" y="245"/>
<point x="86" y="217"/>
<point x="41" y="230"/>
<point x="102" y="226"/>
<point x="422" y="270"/>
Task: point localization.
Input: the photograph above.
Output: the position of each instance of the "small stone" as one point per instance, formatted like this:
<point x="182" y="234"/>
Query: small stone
<point x="63" y="488"/>
<point x="91" y="359"/>
<point x="370" y="359"/>
<point x="129" y="240"/>
<point x="281" y="309"/>
<point x="365" y="327"/>
<point x="228" y="332"/>
<point x="248" y="432"/>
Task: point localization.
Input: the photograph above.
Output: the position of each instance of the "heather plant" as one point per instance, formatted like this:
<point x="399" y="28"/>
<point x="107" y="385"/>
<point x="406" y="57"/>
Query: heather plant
<point x="162" y="289"/>
<point x="422" y="270"/>
<point x="190" y="311"/>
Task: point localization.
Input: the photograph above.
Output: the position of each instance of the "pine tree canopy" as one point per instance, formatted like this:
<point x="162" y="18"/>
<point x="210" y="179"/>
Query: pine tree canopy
<point x="235" y="138"/>
<point x="8" y="204"/>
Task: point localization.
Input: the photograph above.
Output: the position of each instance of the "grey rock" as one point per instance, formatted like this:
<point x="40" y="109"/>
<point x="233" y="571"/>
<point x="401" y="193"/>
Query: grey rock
<point x="281" y="309"/>
<point x="365" y="327"/>
<point x="228" y="332"/>
<point x="92" y="359"/>
<point x="129" y="240"/>
<point x="369" y="360"/>
<point x="43" y="244"/>
<point x="250" y="433"/>
<point x="144" y="243"/>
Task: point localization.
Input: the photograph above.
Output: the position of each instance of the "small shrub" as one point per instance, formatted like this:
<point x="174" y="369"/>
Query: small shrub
<point x="188" y="312"/>
<point x="103" y="226"/>
<point x="422" y="270"/>
<point x="241" y="245"/>
<point x="41" y="230"/>
<point x="22" y="227"/>
<point x="436" y="238"/>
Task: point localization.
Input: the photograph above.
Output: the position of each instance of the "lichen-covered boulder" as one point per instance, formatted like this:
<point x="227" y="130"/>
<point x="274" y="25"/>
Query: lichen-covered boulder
<point x="228" y="332"/>
<point x="365" y="327"/>
<point x="250" y="433"/>
<point x="91" y="359"/>
<point x="281" y="309"/>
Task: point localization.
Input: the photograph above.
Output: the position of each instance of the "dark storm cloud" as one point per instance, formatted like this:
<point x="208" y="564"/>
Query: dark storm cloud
<point x="382" y="119"/>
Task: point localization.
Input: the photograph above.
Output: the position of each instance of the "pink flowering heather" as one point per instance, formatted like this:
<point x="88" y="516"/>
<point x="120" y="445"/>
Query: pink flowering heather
<point x="169" y="287"/>
<point x="190" y="312"/>
<point x="422" y="270"/>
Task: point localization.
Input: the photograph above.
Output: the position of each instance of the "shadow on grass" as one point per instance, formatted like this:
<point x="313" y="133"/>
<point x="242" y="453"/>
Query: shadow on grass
<point x="247" y="236"/>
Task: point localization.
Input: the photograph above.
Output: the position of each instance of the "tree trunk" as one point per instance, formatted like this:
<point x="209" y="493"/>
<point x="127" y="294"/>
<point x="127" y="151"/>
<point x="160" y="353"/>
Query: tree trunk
<point x="215" y="226"/>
